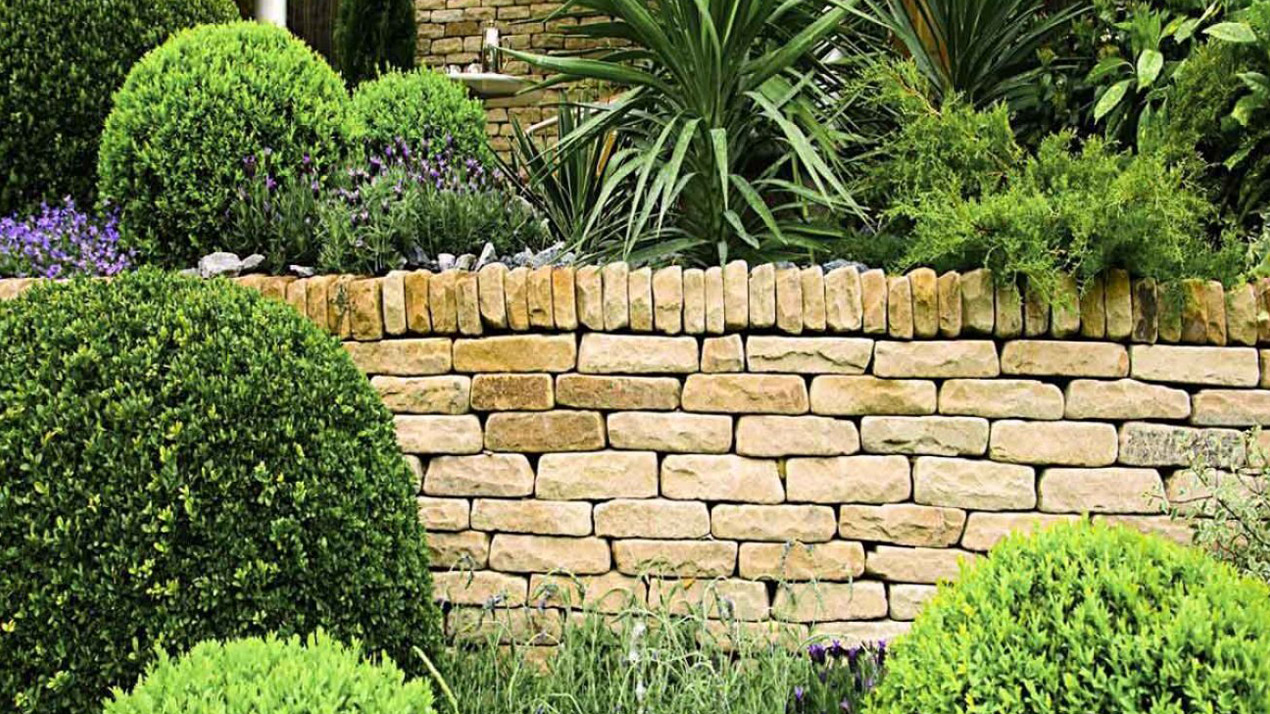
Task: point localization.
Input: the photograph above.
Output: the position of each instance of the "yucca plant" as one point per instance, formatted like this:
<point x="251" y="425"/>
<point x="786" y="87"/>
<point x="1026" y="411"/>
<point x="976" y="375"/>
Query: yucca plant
<point x="734" y="148"/>
<point x="986" y="51"/>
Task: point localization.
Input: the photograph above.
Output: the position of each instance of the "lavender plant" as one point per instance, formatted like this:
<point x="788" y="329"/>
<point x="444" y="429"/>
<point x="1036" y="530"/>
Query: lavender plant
<point x="61" y="241"/>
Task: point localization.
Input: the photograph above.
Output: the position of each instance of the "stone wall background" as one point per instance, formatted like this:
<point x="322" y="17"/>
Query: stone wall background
<point x="817" y="449"/>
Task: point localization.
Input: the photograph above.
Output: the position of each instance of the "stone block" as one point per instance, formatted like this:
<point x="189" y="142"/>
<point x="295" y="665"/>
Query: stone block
<point x="906" y="601"/>
<point x="1065" y="359"/>
<point x="976" y="485"/>
<point x="915" y="565"/>
<point x="478" y="588"/>
<point x="715" y="306"/>
<point x="848" y="479"/>
<point x="467" y="304"/>
<point x="443" y="514"/>
<point x="998" y="399"/>
<point x="808" y="355"/>
<point x="467" y="550"/>
<point x="694" y="301"/>
<point x="668" y="300"/>
<point x="564" y="301"/>
<point x="532" y="516"/>
<point x="688" y="559"/>
<point x="492" y="475"/>
<point x="902" y="524"/>
<point x="745" y="394"/>
<point x="728" y="599"/>
<point x="446" y="394"/>
<point x="637" y="354"/>
<point x="512" y="392"/>
<point x="617" y="315"/>
<point x="762" y="291"/>
<point x="1062" y="443"/>
<point x="438" y="434"/>
<point x="723" y="354"/>
<point x="652" y="518"/>
<point x="923" y="285"/>
<point x="812" y="281"/>
<point x="1232" y="407"/>
<point x="864" y="395"/>
<point x="789" y="562"/>
<point x="933" y="435"/>
<point x="949" y="295"/>
<point x="736" y="295"/>
<point x="821" y="602"/>
<point x="1110" y="490"/>
<point x="1146" y="444"/>
<point x="978" y="303"/>
<point x="899" y="308"/>
<point x="1216" y="366"/>
<point x="671" y="432"/>
<point x="542" y="432"/>
<point x="936" y="360"/>
<point x="640" y="293"/>
<point x="985" y="530"/>
<point x="512" y="553"/>
<point x="804" y="524"/>
<point x="590" y="297"/>
<point x="597" y="475"/>
<point x="516" y="353"/>
<point x="844" y="309"/>
<point x="795" y="436"/>
<point x="1124" y="399"/>
<point x="721" y="478"/>
<point x="516" y="290"/>
<point x="613" y="393"/>
<point x="405" y="358"/>
<point x="789" y="300"/>
<point x="491" y="296"/>
<point x="873" y="301"/>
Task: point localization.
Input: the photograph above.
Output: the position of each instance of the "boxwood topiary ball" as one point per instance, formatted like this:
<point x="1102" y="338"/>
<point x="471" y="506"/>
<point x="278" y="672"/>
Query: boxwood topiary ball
<point x="186" y="460"/>
<point x="417" y="107"/>
<point x="1080" y="619"/>
<point x="253" y="676"/>
<point x="176" y="145"/>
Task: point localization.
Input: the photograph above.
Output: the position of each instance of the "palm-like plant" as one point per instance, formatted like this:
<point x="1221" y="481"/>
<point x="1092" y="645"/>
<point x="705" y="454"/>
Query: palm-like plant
<point x="983" y="50"/>
<point x="732" y="150"/>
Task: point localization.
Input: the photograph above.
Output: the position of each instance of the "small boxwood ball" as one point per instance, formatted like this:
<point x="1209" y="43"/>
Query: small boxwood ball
<point x="1080" y="619"/>
<point x="422" y="107"/>
<point x="186" y="460"/>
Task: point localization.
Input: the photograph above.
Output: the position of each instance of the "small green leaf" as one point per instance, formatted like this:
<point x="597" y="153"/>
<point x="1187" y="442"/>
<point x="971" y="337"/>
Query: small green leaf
<point x="1105" y="67"/>
<point x="1186" y="30"/>
<point x="1150" y="62"/>
<point x="1111" y="98"/>
<point x="1232" y="32"/>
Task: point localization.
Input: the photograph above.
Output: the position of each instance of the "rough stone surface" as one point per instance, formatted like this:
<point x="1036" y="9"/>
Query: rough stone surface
<point x="899" y="308"/>
<point x="613" y="393"/>
<point x="723" y="354"/>
<point x="1146" y="311"/>
<point x="745" y="394"/>
<point x="715" y="307"/>
<point x="949" y="292"/>
<point x="516" y="290"/>
<point x="688" y="559"/>
<point x="795" y="436"/>
<point x="597" y="475"/>
<point x="762" y="296"/>
<point x="1065" y="308"/>
<point x="1036" y="312"/>
<point x="1241" y="316"/>
<point x="915" y="565"/>
<point x="1065" y="359"/>
<point x="861" y="600"/>
<point x="808" y="355"/>
<point x="367" y="319"/>
<point x="589" y="288"/>
<point x="542" y="432"/>
<point x="694" y="301"/>
<point x="617" y="313"/>
<point x="438" y="434"/>
<point x="736" y="295"/>
<point x="1093" y="313"/>
<point x="512" y="392"/>
<point x="1147" y="444"/>
<point x="1065" y="443"/>
<point x="789" y="300"/>
<point x="544" y="554"/>
<point x="863" y="395"/>
<point x="467" y="550"/>
<point x="998" y="399"/>
<point x="1223" y="367"/>
<point x="671" y="432"/>
<point x="985" y="530"/>
<point x="446" y="394"/>
<point x="848" y="479"/>
<point x="467" y="304"/>
<point x="443" y="514"/>
<point x="789" y="562"/>
<point x="873" y="301"/>
<point x="536" y="516"/>
<point x="640" y="291"/>
<point x="935" y="435"/>
<point x="1124" y="399"/>
<point x="843" y="307"/>
<point x="1215" y="301"/>
<point x="978" y="307"/>
<point x="812" y="282"/>
<point x="516" y="353"/>
<point x="609" y="594"/>
<point x="564" y="302"/>
<point x="1110" y="490"/>
<point x="1232" y="407"/>
<point x="491" y="296"/>
<point x="718" y="599"/>
<point x="902" y="524"/>
<point x="976" y="485"/>
<point x="442" y="303"/>
<point x="805" y="524"/>
<point x="402" y="357"/>
<point x="942" y="360"/>
<point x="637" y="354"/>
<point x="923" y="286"/>
<point x="721" y="478"/>
<point x="493" y="475"/>
<point x="906" y="601"/>
<point x="652" y="518"/>
<point x="478" y="588"/>
<point x="1009" y="314"/>
<point x="1118" y="305"/>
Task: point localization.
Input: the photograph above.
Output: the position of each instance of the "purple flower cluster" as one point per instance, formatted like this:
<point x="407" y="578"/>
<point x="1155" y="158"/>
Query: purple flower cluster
<point x="843" y="678"/>
<point x="61" y="241"/>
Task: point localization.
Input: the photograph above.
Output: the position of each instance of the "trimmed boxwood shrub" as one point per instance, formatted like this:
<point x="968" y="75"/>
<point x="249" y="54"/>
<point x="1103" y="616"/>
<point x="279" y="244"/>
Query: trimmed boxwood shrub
<point x="417" y="107"/>
<point x="253" y="676"/>
<point x="195" y="113"/>
<point x="183" y="461"/>
<point x="59" y="63"/>
<point x="1079" y="619"/>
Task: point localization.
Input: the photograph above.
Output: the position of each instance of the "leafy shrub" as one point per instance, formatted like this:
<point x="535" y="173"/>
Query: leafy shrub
<point x="60" y="242"/>
<point x="1229" y="511"/>
<point x="425" y="109"/>
<point x="372" y="36"/>
<point x="1080" y="619"/>
<point x="172" y="152"/>
<point x="60" y="62"/>
<point x="186" y="460"/>
<point x="255" y="675"/>
<point x="397" y="210"/>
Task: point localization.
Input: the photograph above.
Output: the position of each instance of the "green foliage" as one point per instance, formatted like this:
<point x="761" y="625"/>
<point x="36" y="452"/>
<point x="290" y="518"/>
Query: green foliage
<point x="279" y="676"/>
<point x="60" y="62"/>
<point x="186" y="460"/>
<point x="730" y="134"/>
<point x="422" y="108"/>
<point x="189" y="114"/>
<point x="372" y="36"/>
<point x="1230" y="510"/>
<point x="1080" y="619"/>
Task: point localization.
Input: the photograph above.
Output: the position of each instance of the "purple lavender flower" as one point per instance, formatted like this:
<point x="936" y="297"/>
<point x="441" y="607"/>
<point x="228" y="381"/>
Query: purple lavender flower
<point x="816" y="652"/>
<point x="249" y="165"/>
<point x="61" y="241"/>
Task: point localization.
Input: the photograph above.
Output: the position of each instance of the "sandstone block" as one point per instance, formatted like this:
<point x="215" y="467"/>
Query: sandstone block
<point x="939" y="360"/>
<point x="902" y="524"/>
<point x="1065" y="308"/>
<point x="1146" y="310"/>
<point x="531" y="629"/>
<point x="795" y="436"/>
<point x="491" y="296"/>
<point x="597" y="475"/>
<point x="715" y="305"/>
<point x="1093" y="313"/>
<point x="544" y="554"/>
<point x="468" y="549"/>
<point x="538" y="298"/>
<point x="1262" y="292"/>
<point x="424" y="395"/>
<point x="516" y="289"/>
<point x="873" y="301"/>
<point x="640" y="292"/>
<point x="512" y="392"/>
<point x="1145" y="444"/>
<point x="668" y="300"/>
<point x="805" y="524"/>
<point x="590" y="297"/>
<point x="1065" y="359"/>
<point x="935" y="435"/>
<point x="717" y="599"/>
<point x="443" y="514"/>
<point x="978" y="305"/>
<point x="636" y="354"/>
<point x="1063" y="443"/>
<point x="906" y="601"/>
<point x="999" y="399"/>
<point x="652" y="518"/>
<point x="674" y="432"/>
<point x="852" y="396"/>
<point x="418" y="314"/>
<point x="532" y="516"/>
<point x="923" y="285"/>
<point x="467" y="304"/>
<point x="1232" y="407"/>
<point x="985" y="530"/>
<point x="1163" y="526"/>
<point x="401" y="357"/>
<point x="694" y="301"/>
<point x="615" y="277"/>
<point x="1009" y="322"/>
<point x="1241" y="316"/>
<point x="721" y="478"/>
<point x="1215" y="299"/>
<point x="339" y="306"/>
<point x="1226" y="367"/>
<point x="394" y="302"/>
<point x="977" y="485"/>
<point x="736" y="295"/>
<point x="820" y="602"/>
<point x="1036" y="312"/>
<point x="611" y="393"/>
<point x="808" y="355"/>
<point x="438" y="434"/>
<point x="479" y="587"/>
<point x="745" y="393"/>
<point x="848" y="479"/>
<point x="494" y="475"/>
<point x="899" y="308"/>
<point x="516" y="353"/>
<point x="1118" y="304"/>
<point x="915" y="565"/>
<point x="843" y="307"/>
<point x="564" y="303"/>
<point x="723" y="354"/>
<point x="541" y="432"/>
<point x="762" y="289"/>
<point x="1125" y="399"/>
<point x="812" y="280"/>
<point x="688" y="559"/>
<point x="442" y="302"/>
<point x="789" y="300"/>
<point x="835" y="560"/>
<point x="366" y="297"/>
<point x="1111" y="490"/>
<point x="949" y="295"/>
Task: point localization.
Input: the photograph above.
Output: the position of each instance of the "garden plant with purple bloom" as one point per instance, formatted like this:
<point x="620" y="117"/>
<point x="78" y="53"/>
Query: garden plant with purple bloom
<point x="59" y="242"/>
<point x="841" y="678"/>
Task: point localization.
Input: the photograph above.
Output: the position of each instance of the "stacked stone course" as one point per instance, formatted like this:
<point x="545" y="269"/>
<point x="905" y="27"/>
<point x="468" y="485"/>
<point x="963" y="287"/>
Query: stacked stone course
<point x="816" y="449"/>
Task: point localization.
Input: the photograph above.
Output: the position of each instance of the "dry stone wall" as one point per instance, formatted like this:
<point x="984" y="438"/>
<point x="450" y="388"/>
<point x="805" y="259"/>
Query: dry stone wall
<point x="815" y="450"/>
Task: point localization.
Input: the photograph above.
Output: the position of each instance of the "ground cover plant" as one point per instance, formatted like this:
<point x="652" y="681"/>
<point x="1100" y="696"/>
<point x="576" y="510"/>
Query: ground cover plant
<point x="186" y="460"/>
<point x="61" y="241"/>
